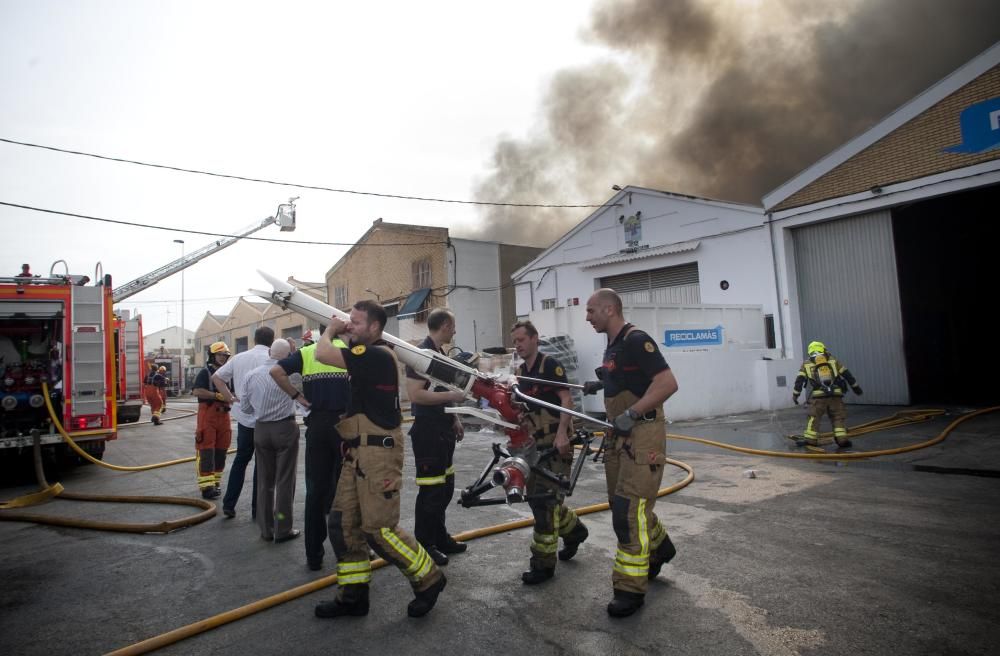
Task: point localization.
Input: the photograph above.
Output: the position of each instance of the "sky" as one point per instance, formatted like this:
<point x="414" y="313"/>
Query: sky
<point x="547" y="103"/>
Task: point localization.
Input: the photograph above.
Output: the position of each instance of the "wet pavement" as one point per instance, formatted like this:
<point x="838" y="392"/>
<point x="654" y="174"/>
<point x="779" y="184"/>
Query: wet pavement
<point x="895" y="555"/>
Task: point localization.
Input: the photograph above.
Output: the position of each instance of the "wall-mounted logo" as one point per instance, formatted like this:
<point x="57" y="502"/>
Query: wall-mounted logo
<point x="693" y="337"/>
<point x="633" y="230"/>
<point x="980" y="125"/>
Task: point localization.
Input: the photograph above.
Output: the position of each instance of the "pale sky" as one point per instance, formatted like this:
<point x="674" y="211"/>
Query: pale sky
<point x="403" y="98"/>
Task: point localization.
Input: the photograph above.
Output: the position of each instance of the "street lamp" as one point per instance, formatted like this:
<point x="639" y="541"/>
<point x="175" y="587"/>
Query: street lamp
<point x="183" y="340"/>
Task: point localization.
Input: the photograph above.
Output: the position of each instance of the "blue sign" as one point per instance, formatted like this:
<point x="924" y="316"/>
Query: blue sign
<point x="980" y="128"/>
<point x="693" y="337"/>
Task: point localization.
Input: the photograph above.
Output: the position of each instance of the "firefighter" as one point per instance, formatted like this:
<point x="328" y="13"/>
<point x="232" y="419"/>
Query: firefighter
<point x="549" y="429"/>
<point x="214" y="432"/>
<point x="828" y="381"/>
<point x="366" y="506"/>
<point x="636" y="381"/>
<point x="152" y="393"/>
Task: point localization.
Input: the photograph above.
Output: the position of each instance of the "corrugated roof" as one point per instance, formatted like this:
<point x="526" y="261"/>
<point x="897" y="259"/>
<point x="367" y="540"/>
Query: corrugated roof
<point x="681" y="247"/>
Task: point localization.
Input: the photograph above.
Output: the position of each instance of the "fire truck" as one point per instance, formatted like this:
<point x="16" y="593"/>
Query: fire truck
<point x="62" y="330"/>
<point x="59" y="331"/>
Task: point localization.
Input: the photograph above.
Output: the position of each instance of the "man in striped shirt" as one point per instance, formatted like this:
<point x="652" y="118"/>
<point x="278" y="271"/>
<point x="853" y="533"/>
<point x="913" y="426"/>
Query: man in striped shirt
<point x="276" y="441"/>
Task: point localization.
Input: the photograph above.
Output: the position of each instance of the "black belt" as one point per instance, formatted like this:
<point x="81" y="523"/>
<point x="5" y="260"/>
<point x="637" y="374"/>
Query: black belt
<point x="278" y="421"/>
<point x="384" y="441"/>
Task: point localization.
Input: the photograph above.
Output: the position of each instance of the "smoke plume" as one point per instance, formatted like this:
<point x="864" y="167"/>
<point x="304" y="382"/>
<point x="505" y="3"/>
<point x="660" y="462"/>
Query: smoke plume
<point x="720" y="99"/>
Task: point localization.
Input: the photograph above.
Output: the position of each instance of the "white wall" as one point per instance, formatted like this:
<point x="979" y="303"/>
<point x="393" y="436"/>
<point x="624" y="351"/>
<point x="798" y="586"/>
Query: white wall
<point x="477" y="313"/>
<point x="171" y="337"/>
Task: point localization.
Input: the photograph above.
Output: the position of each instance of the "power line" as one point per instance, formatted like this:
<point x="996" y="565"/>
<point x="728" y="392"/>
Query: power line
<point x="290" y="184"/>
<point x="211" y="234"/>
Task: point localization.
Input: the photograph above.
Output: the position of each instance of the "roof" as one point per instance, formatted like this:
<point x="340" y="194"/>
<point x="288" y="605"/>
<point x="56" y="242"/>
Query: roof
<point x="616" y="200"/>
<point x="915" y="107"/>
<point x="668" y="249"/>
<point x="413" y="302"/>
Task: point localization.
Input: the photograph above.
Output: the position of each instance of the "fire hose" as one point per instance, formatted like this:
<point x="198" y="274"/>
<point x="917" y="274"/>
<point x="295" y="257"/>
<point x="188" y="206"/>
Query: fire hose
<point x="48" y="492"/>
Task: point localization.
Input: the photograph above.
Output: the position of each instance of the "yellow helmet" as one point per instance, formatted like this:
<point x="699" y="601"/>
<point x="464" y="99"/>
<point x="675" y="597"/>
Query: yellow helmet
<point x="219" y="347"/>
<point x="816" y="348"/>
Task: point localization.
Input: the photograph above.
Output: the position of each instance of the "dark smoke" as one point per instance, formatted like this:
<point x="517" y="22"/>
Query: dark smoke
<point x="727" y="112"/>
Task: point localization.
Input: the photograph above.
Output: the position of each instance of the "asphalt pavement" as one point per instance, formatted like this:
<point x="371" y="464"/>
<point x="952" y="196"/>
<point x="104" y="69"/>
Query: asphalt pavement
<point x="896" y="555"/>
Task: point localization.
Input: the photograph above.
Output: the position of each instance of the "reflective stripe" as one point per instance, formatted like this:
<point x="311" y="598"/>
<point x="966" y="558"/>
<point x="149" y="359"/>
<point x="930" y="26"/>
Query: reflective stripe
<point x="546" y="543"/>
<point x="810" y="431"/>
<point x="450" y="471"/>
<point x="354" y="572"/>
<point x="631" y="564"/>
<point x="419" y="561"/>
<point x="431" y="480"/>
<point x="643" y="530"/>
<point x="840" y="432"/>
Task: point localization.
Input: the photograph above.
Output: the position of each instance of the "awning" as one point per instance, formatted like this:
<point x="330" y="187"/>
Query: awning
<point x="639" y="254"/>
<point x="413" y="302"/>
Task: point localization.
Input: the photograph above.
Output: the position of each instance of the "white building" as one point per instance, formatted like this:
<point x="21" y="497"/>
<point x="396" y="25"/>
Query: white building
<point x="884" y="250"/>
<point x="169" y="340"/>
<point x="696" y="274"/>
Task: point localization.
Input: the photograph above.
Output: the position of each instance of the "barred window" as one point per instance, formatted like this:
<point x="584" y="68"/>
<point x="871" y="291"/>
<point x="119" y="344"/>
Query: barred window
<point x="340" y="296"/>
<point x="548" y="303"/>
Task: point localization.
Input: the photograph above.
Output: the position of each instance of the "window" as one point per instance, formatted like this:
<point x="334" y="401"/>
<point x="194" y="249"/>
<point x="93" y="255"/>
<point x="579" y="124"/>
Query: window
<point x="295" y="332"/>
<point x="548" y="303"/>
<point x="242" y="344"/>
<point x="769" y="331"/>
<point x="422" y="273"/>
<point x="340" y="296"/>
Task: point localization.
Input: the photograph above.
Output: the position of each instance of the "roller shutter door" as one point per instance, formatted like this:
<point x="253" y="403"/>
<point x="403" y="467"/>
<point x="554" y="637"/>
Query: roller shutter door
<point x="676" y="285"/>
<point x="849" y="299"/>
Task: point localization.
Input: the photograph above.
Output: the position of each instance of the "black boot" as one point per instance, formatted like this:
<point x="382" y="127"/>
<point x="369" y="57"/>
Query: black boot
<point x="425" y="600"/>
<point x="210" y="493"/>
<point x="439" y="558"/>
<point x="661" y="557"/>
<point x="537" y="575"/>
<point x="844" y="444"/>
<point x="625" y="603"/>
<point x="452" y="546"/>
<point x="354" y="603"/>
<point x="573" y="540"/>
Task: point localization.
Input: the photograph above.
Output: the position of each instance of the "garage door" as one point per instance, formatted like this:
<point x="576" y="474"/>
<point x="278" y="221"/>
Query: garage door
<point x="676" y="285"/>
<point x="849" y="300"/>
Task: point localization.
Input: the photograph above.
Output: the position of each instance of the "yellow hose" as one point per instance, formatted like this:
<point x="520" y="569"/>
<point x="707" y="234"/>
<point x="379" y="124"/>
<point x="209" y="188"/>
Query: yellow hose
<point x="221" y="619"/>
<point x="208" y="509"/>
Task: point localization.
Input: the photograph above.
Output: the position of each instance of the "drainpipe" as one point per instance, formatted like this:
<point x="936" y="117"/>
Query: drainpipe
<point x="777" y="289"/>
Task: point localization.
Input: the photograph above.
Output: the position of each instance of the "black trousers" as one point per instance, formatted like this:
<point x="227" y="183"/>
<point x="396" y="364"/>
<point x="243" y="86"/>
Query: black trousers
<point x="323" y="463"/>
<point x="433" y="440"/>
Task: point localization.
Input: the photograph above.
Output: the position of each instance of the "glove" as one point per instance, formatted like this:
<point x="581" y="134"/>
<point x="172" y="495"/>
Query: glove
<point x="593" y="386"/>
<point x="599" y="372"/>
<point x="795" y="399"/>
<point x="624" y="423"/>
<point x="857" y="390"/>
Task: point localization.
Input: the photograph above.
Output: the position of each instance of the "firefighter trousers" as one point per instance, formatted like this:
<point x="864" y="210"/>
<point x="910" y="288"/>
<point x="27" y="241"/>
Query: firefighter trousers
<point x="366" y="510"/>
<point x="212" y="437"/>
<point x="833" y="406"/>
<point x="553" y="519"/>
<point x="433" y="442"/>
<point x="633" y="467"/>
<point x="153" y="398"/>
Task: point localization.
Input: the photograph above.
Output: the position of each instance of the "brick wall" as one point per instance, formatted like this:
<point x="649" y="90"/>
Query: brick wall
<point x="388" y="270"/>
<point x="912" y="151"/>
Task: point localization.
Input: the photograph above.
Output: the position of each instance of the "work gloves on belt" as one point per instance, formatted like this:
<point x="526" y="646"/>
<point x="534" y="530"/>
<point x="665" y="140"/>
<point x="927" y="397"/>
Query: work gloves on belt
<point x="857" y="390"/>
<point x="625" y="422"/>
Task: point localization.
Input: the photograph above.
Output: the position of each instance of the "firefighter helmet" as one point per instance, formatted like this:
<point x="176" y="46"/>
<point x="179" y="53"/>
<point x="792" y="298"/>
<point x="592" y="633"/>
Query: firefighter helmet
<point x="219" y="347"/>
<point x="161" y="369"/>
<point x="815" y="348"/>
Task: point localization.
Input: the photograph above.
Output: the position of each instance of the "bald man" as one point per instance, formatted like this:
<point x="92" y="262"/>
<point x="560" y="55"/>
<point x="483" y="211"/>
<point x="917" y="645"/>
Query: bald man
<point x="636" y="381"/>
<point x="276" y="442"/>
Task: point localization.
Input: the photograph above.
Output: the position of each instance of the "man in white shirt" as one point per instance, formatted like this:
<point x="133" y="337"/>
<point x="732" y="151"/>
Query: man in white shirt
<point x="236" y="370"/>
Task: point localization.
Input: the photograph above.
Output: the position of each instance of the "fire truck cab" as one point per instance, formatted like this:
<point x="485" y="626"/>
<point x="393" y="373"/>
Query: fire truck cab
<point x="57" y="330"/>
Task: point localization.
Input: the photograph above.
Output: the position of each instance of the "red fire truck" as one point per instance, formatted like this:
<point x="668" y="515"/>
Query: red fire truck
<point x="59" y="331"/>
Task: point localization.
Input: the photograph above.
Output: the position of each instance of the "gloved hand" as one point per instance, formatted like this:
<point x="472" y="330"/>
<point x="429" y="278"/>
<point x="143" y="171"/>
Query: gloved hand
<point x="593" y="386"/>
<point x="795" y="399"/>
<point x="624" y="423"/>
<point x="857" y="390"/>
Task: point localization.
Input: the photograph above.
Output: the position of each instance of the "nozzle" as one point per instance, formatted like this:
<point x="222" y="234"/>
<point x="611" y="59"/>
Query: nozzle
<point x="512" y="474"/>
